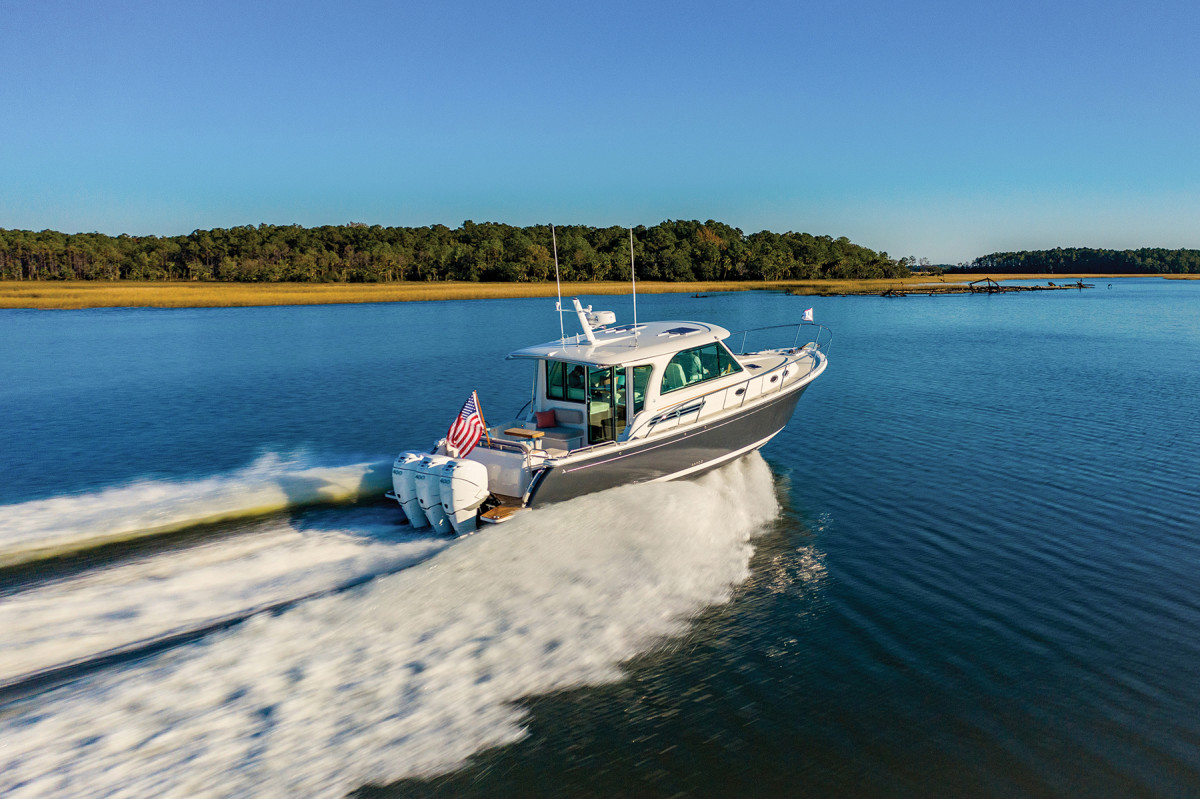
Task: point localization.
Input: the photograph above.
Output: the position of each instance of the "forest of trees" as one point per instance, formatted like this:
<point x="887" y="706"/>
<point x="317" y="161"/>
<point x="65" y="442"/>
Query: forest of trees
<point x="1068" y="260"/>
<point x="672" y="251"/>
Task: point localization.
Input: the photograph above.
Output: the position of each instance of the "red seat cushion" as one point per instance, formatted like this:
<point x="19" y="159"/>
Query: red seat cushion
<point x="546" y="419"/>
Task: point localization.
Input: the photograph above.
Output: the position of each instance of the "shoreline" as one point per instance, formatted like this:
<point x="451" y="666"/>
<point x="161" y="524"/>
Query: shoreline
<point x="75" y="295"/>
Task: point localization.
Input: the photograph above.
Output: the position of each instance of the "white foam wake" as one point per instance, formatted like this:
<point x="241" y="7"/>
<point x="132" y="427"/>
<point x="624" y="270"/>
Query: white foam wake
<point x="62" y="525"/>
<point x="409" y="674"/>
<point x="73" y="620"/>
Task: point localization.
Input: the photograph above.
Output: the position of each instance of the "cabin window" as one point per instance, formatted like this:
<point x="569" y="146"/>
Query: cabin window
<point x="728" y="364"/>
<point x="697" y="365"/>
<point x="565" y="381"/>
<point x="641" y="384"/>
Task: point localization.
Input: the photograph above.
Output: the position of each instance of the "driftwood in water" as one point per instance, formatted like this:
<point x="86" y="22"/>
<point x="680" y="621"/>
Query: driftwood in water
<point x="984" y="286"/>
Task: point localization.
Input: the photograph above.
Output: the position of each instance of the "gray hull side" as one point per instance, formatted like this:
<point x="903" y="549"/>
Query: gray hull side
<point x="688" y="450"/>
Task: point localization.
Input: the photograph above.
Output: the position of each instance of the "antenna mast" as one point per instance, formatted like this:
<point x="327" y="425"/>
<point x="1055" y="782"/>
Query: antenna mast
<point x="562" y="333"/>
<point x="633" y="279"/>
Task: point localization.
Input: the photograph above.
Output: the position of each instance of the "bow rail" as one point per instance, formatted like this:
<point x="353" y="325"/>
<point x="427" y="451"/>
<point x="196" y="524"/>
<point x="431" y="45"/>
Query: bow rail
<point x="821" y="338"/>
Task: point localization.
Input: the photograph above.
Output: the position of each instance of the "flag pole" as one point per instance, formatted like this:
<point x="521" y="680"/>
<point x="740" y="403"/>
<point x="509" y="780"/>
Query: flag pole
<point x="479" y="408"/>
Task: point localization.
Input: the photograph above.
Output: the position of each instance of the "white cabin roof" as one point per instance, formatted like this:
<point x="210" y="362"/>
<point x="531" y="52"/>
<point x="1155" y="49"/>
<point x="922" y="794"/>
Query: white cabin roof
<point x="623" y="344"/>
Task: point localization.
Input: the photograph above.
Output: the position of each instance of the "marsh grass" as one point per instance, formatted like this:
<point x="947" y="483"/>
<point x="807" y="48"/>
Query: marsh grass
<point x="161" y="294"/>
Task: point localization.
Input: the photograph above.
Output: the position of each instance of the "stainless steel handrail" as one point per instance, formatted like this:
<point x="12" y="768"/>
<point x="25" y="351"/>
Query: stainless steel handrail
<point x="799" y="326"/>
<point x="683" y="409"/>
<point x="503" y="443"/>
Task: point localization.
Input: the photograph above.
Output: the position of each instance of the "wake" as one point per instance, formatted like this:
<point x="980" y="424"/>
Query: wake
<point x="406" y="675"/>
<point x="68" y="525"/>
<point x="65" y="627"/>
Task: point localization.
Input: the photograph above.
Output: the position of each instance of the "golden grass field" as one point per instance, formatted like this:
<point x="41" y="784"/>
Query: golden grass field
<point x="161" y="294"/>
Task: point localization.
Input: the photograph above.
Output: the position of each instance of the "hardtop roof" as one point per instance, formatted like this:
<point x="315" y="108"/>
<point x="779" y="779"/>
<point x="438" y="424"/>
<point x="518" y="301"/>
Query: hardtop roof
<point x="625" y="344"/>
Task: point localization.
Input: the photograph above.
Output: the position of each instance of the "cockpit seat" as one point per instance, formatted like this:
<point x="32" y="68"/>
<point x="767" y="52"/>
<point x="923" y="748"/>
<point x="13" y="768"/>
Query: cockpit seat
<point x="674" y="377"/>
<point x="565" y="435"/>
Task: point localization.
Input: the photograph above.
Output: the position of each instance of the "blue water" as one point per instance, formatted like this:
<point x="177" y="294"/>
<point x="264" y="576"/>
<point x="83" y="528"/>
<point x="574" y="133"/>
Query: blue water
<point x="978" y="574"/>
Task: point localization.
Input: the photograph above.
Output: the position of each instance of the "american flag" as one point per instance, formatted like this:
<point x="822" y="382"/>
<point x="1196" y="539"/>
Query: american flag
<point x="467" y="428"/>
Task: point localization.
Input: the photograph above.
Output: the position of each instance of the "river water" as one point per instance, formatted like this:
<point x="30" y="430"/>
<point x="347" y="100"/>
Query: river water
<point x="970" y="565"/>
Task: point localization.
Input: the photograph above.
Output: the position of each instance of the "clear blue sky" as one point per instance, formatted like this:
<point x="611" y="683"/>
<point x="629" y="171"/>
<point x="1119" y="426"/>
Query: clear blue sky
<point x="938" y="129"/>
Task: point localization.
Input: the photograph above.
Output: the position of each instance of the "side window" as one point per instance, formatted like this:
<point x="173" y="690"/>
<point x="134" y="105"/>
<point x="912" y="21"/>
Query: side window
<point x="576" y="382"/>
<point x="564" y="381"/>
<point x="556" y="380"/>
<point x="641" y="384"/>
<point x="698" y="364"/>
<point x="728" y="364"/>
<point x="683" y="370"/>
<point x="709" y="360"/>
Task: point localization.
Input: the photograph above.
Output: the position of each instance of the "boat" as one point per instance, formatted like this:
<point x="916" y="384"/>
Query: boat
<point x="613" y="405"/>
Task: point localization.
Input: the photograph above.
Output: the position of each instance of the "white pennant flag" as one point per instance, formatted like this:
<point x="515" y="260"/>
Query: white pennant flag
<point x="808" y="317"/>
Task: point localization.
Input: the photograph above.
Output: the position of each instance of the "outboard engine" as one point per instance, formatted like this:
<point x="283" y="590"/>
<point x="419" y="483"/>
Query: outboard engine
<point x="429" y="491"/>
<point x="464" y="488"/>
<point x="404" y="473"/>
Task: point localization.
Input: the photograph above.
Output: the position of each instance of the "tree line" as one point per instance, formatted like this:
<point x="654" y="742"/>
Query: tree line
<point x="671" y="251"/>
<point x="1067" y="260"/>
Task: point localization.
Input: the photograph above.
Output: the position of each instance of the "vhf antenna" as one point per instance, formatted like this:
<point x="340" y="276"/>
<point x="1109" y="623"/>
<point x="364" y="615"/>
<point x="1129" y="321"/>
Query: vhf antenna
<point x="633" y="278"/>
<point x="562" y="333"/>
